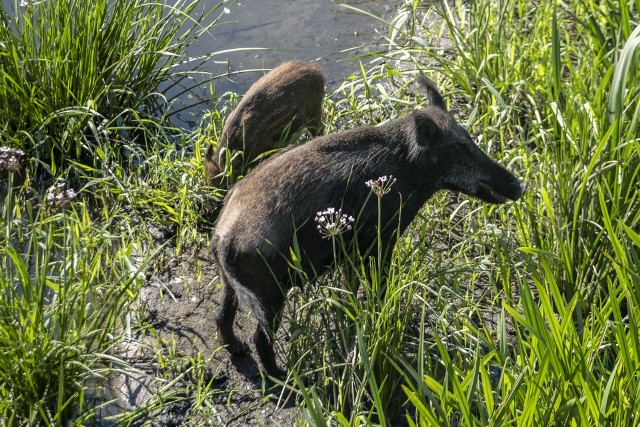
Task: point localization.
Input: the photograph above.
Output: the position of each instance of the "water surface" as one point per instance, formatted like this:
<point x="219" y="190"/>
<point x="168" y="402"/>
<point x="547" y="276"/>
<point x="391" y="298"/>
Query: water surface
<point x="321" y="31"/>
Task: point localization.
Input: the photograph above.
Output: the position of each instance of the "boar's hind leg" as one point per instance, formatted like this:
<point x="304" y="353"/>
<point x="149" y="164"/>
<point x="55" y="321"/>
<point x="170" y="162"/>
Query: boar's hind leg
<point x="263" y="338"/>
<point x="225" y="319"/>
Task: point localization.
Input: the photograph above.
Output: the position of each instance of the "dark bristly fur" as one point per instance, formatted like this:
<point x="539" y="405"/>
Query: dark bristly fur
<point x="425" y="151"/>
<point x="286" y="99"/>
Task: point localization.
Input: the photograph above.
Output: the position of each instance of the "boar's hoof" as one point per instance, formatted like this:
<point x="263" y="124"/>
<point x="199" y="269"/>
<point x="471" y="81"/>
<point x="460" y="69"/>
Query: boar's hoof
<point x="276" y="372"/>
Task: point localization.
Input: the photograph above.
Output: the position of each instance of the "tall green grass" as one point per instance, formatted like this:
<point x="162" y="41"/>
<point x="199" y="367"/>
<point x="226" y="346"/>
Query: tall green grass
<point x="342" y="332"/>
<point x="68" y="292"/>
<point x="82" y="93"/>
<point x="526" y="313"/>
<point x="82" y="82"/>
<point x="559" y="79"/>
<point x="554" y="78"/>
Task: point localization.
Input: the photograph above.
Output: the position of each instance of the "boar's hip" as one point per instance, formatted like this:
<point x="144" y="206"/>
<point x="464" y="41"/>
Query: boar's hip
<point x="278" y="105"/>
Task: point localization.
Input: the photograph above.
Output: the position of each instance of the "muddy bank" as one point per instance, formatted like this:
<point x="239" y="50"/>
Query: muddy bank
<point x="178" y="302"/>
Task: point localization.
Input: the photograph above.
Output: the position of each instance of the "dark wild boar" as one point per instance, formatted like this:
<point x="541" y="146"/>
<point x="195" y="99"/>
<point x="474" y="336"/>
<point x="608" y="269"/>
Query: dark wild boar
<point x="283" y="101"/>
<point x="425" y="151"/>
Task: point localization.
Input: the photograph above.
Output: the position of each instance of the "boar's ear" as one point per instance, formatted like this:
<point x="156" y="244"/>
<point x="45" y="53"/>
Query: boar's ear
<point x="428" y="131"/>
<point x="427" y="87"/>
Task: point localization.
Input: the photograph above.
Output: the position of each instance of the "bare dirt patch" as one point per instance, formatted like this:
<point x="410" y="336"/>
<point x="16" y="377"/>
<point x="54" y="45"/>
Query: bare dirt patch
<point x="179" y="302"/>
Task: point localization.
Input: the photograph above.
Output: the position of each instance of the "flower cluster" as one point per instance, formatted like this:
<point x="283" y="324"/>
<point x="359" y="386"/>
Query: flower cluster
<point x="332" y="222"/>
<point x="58" y="195"/>
<point x="11" y="159"/>
<point x="382" y="185"/>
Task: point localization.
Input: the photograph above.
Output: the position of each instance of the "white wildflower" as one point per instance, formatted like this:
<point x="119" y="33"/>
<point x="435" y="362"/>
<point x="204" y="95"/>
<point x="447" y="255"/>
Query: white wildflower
<point x="11" y="159"/>
<point x="59" y="195"/>
<point x="382" y="185"/>
<point x="332" y="222"/>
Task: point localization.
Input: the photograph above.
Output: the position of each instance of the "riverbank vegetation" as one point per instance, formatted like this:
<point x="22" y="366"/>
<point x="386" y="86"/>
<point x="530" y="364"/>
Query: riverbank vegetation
<point x="88" y="162"/>
<point x="515" y="314"/>
<point x="528" y="313"/>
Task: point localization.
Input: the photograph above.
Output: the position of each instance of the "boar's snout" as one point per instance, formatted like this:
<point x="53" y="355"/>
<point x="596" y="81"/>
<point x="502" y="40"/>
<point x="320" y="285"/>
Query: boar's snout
<point x="493" y="183"/>
<point x="499" y="192"/>
<point x="471" y="171"/>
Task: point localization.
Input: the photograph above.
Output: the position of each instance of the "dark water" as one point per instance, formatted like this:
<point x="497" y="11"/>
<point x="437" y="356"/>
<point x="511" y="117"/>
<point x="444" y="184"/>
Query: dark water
<point x="321" y="31"/>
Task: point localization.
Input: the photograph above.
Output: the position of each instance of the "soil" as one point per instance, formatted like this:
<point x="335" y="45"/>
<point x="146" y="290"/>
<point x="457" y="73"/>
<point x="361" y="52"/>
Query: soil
<point x="179" y="301"/>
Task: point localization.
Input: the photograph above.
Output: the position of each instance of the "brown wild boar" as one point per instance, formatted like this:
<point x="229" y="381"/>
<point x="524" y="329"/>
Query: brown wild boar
<point x="282" y="102"/>
<point x="425" y="151"/>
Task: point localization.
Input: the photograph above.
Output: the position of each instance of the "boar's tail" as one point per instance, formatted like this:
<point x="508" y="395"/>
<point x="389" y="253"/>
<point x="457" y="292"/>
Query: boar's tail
<point x="247" y="298"/>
